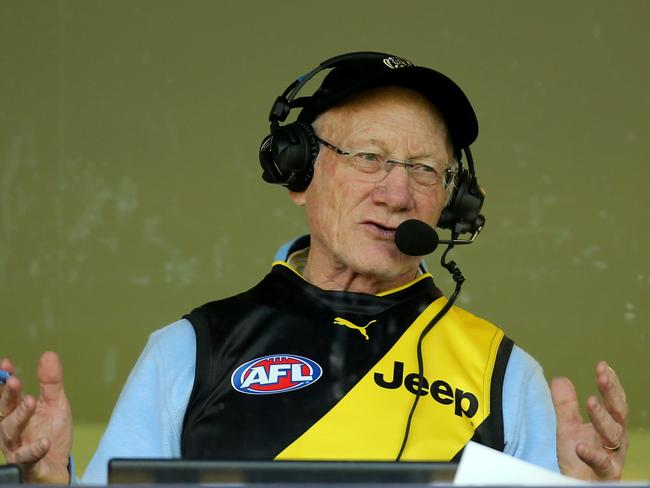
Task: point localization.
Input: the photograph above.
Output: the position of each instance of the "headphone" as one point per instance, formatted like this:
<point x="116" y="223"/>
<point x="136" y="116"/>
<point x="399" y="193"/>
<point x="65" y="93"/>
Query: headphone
<point x="288" y="153"/>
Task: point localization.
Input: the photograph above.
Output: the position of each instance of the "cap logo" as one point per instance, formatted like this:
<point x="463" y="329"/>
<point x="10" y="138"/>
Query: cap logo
<point x="394" y="62"/>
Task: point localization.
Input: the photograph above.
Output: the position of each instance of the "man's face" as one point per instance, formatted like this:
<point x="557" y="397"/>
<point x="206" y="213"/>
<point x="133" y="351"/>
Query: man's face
<point x="352" y="221"/>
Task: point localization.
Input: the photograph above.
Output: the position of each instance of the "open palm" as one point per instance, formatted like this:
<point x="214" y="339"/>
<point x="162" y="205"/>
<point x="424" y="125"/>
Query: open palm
<point x="36" y="434"/>
<point x="593" y="450"/>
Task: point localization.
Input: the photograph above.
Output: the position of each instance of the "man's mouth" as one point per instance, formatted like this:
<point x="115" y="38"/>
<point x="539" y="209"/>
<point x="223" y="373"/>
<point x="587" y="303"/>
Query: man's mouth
<point x="380" y="230"/>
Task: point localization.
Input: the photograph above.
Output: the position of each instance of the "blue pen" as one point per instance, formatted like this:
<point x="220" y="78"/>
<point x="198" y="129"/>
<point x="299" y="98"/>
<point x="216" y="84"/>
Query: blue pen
<point x="4" y="376"/>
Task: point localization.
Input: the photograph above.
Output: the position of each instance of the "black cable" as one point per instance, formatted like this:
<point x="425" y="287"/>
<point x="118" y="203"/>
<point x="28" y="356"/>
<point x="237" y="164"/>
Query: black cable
<point x="458" y="277"/>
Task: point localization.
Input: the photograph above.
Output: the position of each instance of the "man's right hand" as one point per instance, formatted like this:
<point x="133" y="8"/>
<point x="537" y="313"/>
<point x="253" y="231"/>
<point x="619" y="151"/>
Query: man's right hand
<point x="37" y="434"/>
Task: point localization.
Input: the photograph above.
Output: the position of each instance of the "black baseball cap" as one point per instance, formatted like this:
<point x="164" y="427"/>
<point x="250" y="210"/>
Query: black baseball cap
<point x="352" y="74"/>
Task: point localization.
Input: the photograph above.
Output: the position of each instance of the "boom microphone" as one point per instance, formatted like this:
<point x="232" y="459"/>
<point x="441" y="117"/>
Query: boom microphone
<point x="416" y="238"/>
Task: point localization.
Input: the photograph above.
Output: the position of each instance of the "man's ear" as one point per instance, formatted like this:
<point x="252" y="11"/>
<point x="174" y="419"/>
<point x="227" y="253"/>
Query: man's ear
<point x="298" y="197"/>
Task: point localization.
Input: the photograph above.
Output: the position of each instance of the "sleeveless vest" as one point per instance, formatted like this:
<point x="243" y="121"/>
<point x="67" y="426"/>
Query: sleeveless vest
<point x="289" y="371"/>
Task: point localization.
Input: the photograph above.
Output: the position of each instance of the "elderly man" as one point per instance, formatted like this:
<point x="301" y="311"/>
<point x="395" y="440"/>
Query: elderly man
<point x="346" y="349"/>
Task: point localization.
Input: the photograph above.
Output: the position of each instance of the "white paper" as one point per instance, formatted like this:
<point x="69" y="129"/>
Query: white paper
<point x="481" y="465"/>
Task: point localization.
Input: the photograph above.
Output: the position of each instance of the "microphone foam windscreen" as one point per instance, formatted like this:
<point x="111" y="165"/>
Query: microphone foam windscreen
<point x="416" y="238"/>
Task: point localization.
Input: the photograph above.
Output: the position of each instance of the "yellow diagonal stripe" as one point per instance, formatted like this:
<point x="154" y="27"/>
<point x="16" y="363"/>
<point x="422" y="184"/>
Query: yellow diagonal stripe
<point x="368" y="422"/>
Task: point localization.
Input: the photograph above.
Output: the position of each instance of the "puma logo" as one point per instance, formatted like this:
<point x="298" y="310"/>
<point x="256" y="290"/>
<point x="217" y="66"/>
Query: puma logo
<point x="361" y="329"/>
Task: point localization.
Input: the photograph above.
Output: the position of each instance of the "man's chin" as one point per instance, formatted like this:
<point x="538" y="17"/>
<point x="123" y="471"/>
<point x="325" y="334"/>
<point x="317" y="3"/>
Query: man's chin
<point x="386" y="265"/>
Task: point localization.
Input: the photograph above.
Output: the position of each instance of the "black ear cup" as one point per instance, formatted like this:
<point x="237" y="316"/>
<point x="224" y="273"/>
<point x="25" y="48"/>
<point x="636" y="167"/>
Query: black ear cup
<point x="287" y="155"/>
<point x="462" y="213"/>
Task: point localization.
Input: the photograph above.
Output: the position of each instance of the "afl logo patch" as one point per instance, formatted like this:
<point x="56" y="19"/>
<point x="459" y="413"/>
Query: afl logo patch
<point x="275" y="374"/>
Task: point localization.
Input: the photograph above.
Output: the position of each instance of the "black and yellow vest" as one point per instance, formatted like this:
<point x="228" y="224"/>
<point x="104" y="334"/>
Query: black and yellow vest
<point x="289" y="371"/>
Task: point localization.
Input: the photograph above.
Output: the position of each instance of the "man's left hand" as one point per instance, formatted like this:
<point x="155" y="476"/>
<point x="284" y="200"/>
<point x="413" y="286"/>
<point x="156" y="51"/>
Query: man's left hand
<point x="593" y="450"/>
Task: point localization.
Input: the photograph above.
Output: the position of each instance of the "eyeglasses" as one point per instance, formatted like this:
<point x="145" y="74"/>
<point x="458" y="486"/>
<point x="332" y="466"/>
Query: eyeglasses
<point x="423" y="173"/>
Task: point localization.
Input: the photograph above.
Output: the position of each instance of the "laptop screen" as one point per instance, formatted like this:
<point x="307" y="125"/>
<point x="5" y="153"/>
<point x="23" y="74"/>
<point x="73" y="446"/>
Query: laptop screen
<point x="134" y="471"/>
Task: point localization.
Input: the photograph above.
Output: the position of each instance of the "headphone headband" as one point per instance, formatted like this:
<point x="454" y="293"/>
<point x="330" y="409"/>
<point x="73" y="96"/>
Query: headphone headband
<point x="279" y="113"/>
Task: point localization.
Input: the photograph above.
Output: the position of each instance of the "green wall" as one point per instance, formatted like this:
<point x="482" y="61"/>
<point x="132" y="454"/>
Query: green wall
<point x="130" y="189"/>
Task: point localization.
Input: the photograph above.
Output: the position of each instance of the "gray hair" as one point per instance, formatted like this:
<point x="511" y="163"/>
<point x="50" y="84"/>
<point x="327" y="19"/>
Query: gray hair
<point x="454" y="167"/>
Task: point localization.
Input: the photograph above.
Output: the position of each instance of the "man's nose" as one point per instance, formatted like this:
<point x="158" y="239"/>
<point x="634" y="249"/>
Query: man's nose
<point x="394" y="190"/>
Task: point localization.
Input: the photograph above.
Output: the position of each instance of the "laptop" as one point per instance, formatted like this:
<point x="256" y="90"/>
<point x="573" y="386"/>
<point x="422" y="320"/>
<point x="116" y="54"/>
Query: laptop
<point x="136" y="471"/>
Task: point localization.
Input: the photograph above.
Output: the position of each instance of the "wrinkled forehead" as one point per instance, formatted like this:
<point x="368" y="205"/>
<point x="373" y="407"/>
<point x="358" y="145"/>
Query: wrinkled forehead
<point x="390" y="110"/>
